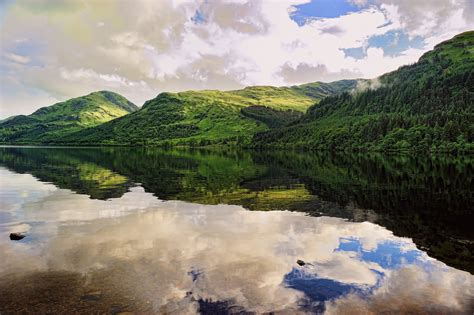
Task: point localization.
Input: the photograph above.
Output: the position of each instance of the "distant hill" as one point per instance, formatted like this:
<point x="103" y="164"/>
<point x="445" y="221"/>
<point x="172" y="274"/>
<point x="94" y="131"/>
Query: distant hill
<point x="426" y="106"/>
<point x="209" y="116"/>
<point x="48" y="124"/>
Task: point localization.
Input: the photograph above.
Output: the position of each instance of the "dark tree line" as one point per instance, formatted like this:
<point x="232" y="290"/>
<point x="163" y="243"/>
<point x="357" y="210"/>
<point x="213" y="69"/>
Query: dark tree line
<point x="425" y="106"/>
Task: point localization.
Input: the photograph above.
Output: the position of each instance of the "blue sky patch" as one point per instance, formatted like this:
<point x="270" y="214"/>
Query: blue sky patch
<point x="389" y="255"/>
<point x="357" y="52"/>
<point x="319" y="289"/>
<point x="3" y="8"/>
<point x="25" y="47"/>
<point x="319" y="9"/>
<point x="28" y="48"/>
<point x="395" y="42"/>
<point x="198" y="17"/>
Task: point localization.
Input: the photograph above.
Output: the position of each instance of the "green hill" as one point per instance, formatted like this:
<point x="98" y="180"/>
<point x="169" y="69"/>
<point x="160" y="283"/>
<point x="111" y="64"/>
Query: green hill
<point x="48" y="124"/>
<point x="209" y="117"/>
<point x="426" y="106"/>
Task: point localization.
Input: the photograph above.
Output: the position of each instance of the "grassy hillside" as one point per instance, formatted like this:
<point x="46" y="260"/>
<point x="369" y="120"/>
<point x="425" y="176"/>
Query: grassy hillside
<point x="209" y="117"/>
<point x="48" y="124"/>
<point x="427" y="106"/>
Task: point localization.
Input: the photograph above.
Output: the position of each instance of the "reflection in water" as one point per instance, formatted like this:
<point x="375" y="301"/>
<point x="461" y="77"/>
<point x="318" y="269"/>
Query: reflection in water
<point x="138" y="253"/>
<point x="428" y="199"/>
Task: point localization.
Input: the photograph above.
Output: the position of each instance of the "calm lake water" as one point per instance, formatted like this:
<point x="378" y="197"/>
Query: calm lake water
<point x="116" y="230"/>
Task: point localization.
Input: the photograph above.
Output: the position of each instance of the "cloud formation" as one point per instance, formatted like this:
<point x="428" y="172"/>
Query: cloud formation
<point x="56" y="50"/>
<point x="412" y="290"/>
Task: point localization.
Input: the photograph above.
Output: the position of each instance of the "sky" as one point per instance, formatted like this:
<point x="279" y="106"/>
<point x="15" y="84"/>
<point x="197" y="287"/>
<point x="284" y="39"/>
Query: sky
<point x="53" y="50"/>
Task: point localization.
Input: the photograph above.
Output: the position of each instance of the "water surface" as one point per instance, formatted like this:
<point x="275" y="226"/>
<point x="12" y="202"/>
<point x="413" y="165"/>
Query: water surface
<point x="191" y="231"/>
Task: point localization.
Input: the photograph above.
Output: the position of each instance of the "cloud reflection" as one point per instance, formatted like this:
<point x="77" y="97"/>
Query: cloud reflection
<point x="174" y="254"/>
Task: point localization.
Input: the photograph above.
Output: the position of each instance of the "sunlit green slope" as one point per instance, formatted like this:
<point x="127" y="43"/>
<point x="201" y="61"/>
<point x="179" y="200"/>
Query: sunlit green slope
<point x="210" y="117"/>
<point x="48" y="124"/>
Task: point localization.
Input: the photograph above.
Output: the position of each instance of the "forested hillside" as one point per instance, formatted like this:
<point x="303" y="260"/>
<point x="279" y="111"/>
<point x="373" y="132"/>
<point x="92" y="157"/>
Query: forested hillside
<point x="425" y="106"/>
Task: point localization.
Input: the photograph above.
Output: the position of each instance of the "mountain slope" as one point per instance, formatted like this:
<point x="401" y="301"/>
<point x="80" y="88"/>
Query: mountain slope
<point x="426" y="106"/>
<point x="209" y="117"/>
<point x="48" y="124"/>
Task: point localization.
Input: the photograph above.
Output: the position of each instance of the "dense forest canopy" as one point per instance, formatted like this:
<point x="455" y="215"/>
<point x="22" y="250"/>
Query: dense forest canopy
<point x="425" y="106"/>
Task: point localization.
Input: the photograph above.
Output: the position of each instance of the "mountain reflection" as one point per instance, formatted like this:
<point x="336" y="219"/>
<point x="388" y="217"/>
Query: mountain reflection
<point x="146" y="255"/>
<point x="426" y="198"/>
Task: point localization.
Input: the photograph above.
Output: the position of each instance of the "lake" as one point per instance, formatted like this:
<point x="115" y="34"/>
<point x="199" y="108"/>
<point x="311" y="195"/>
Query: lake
<point x="186" y="231"/>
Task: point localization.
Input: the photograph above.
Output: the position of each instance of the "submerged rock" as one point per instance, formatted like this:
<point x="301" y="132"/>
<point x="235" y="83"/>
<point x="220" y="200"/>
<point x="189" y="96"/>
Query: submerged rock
<point x="16" y="236"/>
<point x="92" y="296"/>
<point x="300" y="262"/>
<point x="118" y="309"/>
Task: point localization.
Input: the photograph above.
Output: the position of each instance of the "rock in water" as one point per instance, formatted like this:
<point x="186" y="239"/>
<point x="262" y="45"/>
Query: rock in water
<point x="92" y="296"/>
<point x="300" y="262"/>
<point x="16" y="236"/>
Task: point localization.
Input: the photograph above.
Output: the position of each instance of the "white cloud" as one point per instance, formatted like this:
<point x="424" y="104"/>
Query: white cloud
<point x="17" y="58"/>
<point x="412" y="290"/>
<point x="360" y="3"/>
<point x="425" y="17"/>
<point x="88" y="74"/>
